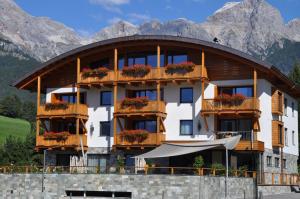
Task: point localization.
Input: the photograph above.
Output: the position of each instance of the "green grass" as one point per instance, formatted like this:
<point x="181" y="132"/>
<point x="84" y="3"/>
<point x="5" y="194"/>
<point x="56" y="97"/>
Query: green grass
<point x="15" y="127"/>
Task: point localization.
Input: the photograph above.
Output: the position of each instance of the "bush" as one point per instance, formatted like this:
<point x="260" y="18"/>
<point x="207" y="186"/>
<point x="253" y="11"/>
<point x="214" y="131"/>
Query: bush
<point x="137" y="70"/>
<point x="120" y="162"/>
<point x="199" y="162"/>
<point x="220" y="168"/>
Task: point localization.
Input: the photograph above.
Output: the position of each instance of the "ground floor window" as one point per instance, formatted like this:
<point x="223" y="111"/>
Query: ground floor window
<point x="97" y="162"/>
<point x="277" y="162"/>
<point x="284" y="163"/>
<point x="269" y="161"/>
<point x="186" y="127"/>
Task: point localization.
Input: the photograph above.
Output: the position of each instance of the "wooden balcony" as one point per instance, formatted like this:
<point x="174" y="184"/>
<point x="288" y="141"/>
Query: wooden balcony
<point x="154" y="75"/>
<point x="247" y="145"/>
<point x="249" y="105"/>
<point x="72" y="142"/>
<point x="152" y="108"/>
<point x="277" y="133"/>
<point x="108" y="79"/>
<point x="73" y="110"/>
<point x="153" y="139"/>
<point x="196" y="74"/>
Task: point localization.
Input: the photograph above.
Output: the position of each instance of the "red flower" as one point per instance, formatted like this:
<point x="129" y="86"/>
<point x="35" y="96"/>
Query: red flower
<point x="137" y="70"/>
<point x="56" y="106"/>
<point x="138" y="135"/>
<point x="137" y="102"/>
<point x="181" y="68"/>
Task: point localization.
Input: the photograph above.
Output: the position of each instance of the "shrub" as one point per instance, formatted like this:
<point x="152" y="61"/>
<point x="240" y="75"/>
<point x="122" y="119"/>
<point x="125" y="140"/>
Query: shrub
<point x="120" y="162"/>
<point x="199" y="162"/>
<point x="138" y="135"/>
<point x="220" y="168"/>
<point x="134" y="102"/>
<point x="181" y="68"/>
<point x="56" y="106"/>
<point x="98" y="72"/>
<point x="137" y="70"/>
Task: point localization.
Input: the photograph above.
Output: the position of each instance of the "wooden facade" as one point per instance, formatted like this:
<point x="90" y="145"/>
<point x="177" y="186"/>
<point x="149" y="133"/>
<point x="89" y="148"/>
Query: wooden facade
<point x="73" y="110"/>
<point x="277" y="101"/>
<point x="245" y="145"/>
<point x="153" y="139"/>
<point x="277" y="133"/>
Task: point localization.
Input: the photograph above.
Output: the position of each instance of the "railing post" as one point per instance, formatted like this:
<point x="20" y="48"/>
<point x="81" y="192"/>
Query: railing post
<point x="172" y="170"/>
<point x="245" y="174"/>
<point x="254" y="174"/>
<point x="214" y="172"/>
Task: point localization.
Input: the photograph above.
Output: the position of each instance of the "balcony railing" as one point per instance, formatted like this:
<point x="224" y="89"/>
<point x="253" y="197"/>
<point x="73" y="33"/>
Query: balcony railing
<point x="154" y="74"/>
<point x="248" y="140"/>
<point x="215" y="106"/>
<point x="153" y="139"/>
<point x="72" y="141"/>
<point x="105" y="79"/>
<point x="72" y="110"/>
<point x="152" y="107"/>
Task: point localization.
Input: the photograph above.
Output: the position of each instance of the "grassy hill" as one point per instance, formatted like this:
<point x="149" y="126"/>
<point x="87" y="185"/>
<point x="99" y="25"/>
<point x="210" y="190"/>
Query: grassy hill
<point x="15" y="127"/>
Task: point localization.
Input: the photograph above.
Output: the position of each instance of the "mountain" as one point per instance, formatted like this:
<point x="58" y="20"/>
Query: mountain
<point x="39" y="37"/>
<point x="252" y="26"/>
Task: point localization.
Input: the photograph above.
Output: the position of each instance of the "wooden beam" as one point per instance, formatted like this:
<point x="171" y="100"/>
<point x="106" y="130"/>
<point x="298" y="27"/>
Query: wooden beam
<point x="78" y="70"/>
<point x="158" y="56"/>
<point x="157" y="129"/>
<point x="162" y="124"/>
<point x="202" y="63"/>
<point x="78" y="96"/>
<point x="120" y="124"/>
<point x="115" y="110"/>
<point x="83" y="125"/>
<point x="205" y="123"/>
<point x="202" y="92"/>
<point x="38" y="93"/>
<point x="37" y="127"/>
<point x="115" y="60"/>
<point x="254" y="83"/>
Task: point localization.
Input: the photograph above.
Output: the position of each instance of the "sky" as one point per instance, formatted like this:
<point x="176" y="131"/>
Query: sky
<point x="89" y="16"/>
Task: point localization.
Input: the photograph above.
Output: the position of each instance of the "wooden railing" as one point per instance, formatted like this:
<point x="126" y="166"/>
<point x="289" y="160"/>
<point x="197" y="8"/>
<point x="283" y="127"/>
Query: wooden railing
<point x="214" y="106"/>
<point x="245" y="145"/>
<point x="151" y="107"/>
<point x="196" y="73"/>
<point x="153" y="139"/>
<point x="154" y="74"/>
<point x="72" y="110"/>
<point x="107" y="78"/>
<point x="72" y="141"/>
<point x="273" y="178"/>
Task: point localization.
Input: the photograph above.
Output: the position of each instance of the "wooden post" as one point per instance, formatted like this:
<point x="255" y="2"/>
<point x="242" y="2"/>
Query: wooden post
<point x="78" y="70"/>
<point x="172" y="170"/>
<point x="254" y="83"/>
<point x="38" y="104"/>
<point x="202" y="63"/>
<point x="158" y="56"/>
<point x="115" y="110"/>
<point x="116" y="60"/>
<point x="77" y="126"/>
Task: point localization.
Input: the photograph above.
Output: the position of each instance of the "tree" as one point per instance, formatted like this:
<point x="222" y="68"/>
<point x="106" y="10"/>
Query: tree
<point x="28" y="111"/>
<point x="294" y="75"/>
<point x="11" y="106"/>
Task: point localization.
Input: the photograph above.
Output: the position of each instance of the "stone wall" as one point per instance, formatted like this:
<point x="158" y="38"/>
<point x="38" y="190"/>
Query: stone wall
<point x="141" y="186"/>
<point x="271" y="190"/>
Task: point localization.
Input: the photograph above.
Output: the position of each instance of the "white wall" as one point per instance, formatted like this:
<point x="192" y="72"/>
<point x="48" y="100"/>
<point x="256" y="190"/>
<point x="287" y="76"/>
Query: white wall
<point x="291" y="123"/>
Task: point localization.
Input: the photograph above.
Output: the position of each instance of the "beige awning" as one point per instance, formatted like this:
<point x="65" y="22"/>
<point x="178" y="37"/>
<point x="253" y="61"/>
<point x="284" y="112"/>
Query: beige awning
<point x="171" y="149"/>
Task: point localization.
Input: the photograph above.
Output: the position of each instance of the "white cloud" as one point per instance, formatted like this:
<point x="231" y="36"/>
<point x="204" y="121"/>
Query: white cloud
<point x="137" y="18"/>
<point x="110" y="5"/>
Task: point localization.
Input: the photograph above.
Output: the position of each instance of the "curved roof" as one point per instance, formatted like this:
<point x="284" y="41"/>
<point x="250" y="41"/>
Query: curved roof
<point x="75" y="52"/>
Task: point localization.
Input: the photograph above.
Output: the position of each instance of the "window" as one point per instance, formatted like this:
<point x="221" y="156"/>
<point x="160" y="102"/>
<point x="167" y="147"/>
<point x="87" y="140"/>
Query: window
<point x="293" y="138"/>
<point x="243" y="126"/>
<point x="284" y="163"/>
<point x="95" y="160"/>
<point x="293" y="109"/>
<point x="71" y="97"/>
<point x="177" y="58"/>
<point x="151" y="94"/>
<point x="280" y="134"/>
<point x="104" y="129"/>
<point x="149" y="125"/>
<point x="186" y="127"/>
<point x="285" y="106"/>
<point x="269" y="161"/>
<point x="149" y="58"/>
<point x="247" y="91"/>
<point x="121" y="63"/>
<point x="105" y="98"/>
<point x="100" y="63"/>
<point x="286" y="136"/>
<point x="277" y="162"/>
<point x="186" y="95"/>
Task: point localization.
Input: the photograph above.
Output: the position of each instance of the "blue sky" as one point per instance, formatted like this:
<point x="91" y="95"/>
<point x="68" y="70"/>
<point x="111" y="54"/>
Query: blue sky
<point x="89" y="16"/>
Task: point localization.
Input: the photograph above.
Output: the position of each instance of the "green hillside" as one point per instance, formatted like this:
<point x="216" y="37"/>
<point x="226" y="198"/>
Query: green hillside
<point x="15" y="127"/>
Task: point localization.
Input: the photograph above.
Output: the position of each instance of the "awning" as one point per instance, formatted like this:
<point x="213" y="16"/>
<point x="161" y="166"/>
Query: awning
<point x="171" y="149"/>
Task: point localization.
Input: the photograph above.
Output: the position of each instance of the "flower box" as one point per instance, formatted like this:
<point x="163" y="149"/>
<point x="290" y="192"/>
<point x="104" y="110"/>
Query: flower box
<point x="226" y="99"/>
<point x="138" y="135"/>
<point x="98" y="72"/>
<point x="181" y="68"/>
<point x="137" y="102"/>
<point x="59" y="136"/>
<point x="56" y="106"/>
<point x="137" y="70"/>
